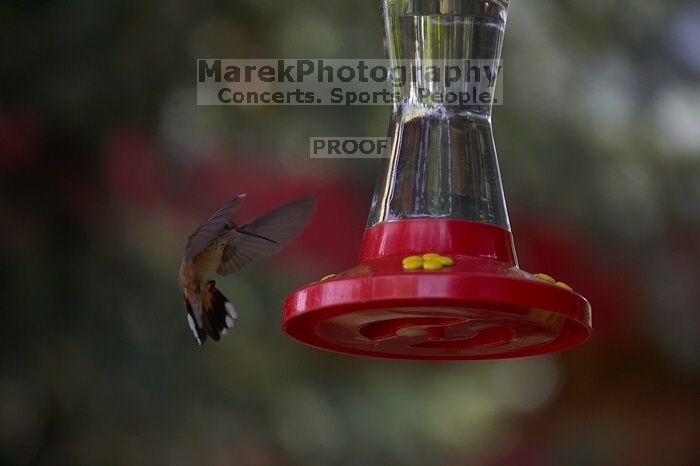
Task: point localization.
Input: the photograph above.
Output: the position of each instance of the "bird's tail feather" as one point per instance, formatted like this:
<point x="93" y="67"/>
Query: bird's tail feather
<point x="217" y="315"/>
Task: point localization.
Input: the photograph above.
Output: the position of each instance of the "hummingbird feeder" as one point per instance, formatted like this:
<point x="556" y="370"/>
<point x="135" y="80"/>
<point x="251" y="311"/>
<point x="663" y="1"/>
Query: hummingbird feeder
<point x="438" y="277"/>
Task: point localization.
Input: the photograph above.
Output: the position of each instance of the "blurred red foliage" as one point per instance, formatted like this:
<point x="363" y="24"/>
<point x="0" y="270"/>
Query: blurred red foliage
<point x="138" y="176"/>
<point x="604" y="277"/>
<point x="21" y="133"/>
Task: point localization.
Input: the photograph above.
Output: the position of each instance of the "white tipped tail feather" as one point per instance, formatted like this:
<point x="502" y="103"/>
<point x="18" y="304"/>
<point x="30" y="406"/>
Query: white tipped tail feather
<point x="212" y="317"/>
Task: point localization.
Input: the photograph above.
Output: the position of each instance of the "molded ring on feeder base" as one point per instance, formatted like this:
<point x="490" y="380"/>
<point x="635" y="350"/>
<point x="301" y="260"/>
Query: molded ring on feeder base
<point x="483" y="307"/>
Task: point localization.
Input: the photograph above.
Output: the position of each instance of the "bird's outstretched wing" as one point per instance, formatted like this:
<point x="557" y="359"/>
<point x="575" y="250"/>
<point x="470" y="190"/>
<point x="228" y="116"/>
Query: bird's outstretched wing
<point x="280" y="226"/>
<point x="212" y="228"/>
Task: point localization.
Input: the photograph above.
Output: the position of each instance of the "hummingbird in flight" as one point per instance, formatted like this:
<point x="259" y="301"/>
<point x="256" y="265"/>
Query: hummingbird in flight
<point x="220" y="247"/>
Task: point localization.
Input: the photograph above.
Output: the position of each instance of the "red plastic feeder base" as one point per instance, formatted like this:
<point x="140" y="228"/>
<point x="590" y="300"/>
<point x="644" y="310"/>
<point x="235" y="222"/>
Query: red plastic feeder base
<point x="482" y="307"/>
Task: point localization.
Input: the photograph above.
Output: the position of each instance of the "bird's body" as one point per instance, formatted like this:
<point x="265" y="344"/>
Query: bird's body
<point x="220" y="247"/>
<point x="202" y="268"/>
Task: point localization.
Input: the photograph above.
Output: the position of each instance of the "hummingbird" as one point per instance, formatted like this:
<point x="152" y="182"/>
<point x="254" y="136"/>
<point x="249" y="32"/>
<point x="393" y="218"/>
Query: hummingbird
<point x="220" y="247"/>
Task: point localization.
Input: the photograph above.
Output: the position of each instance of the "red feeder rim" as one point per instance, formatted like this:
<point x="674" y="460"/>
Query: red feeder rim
<point x="482" y="307"/>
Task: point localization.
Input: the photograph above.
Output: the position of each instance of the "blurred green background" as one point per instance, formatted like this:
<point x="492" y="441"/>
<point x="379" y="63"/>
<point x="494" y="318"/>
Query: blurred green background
<point x="107" y="164"/>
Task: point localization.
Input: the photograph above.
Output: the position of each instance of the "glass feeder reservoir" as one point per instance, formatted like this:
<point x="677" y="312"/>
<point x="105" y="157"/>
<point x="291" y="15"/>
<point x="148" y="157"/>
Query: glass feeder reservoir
<point x="438" y="276"/>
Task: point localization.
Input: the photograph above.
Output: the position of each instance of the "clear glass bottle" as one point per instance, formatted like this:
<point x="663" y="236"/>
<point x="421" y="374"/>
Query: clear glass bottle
<point x="442" y="160"/>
